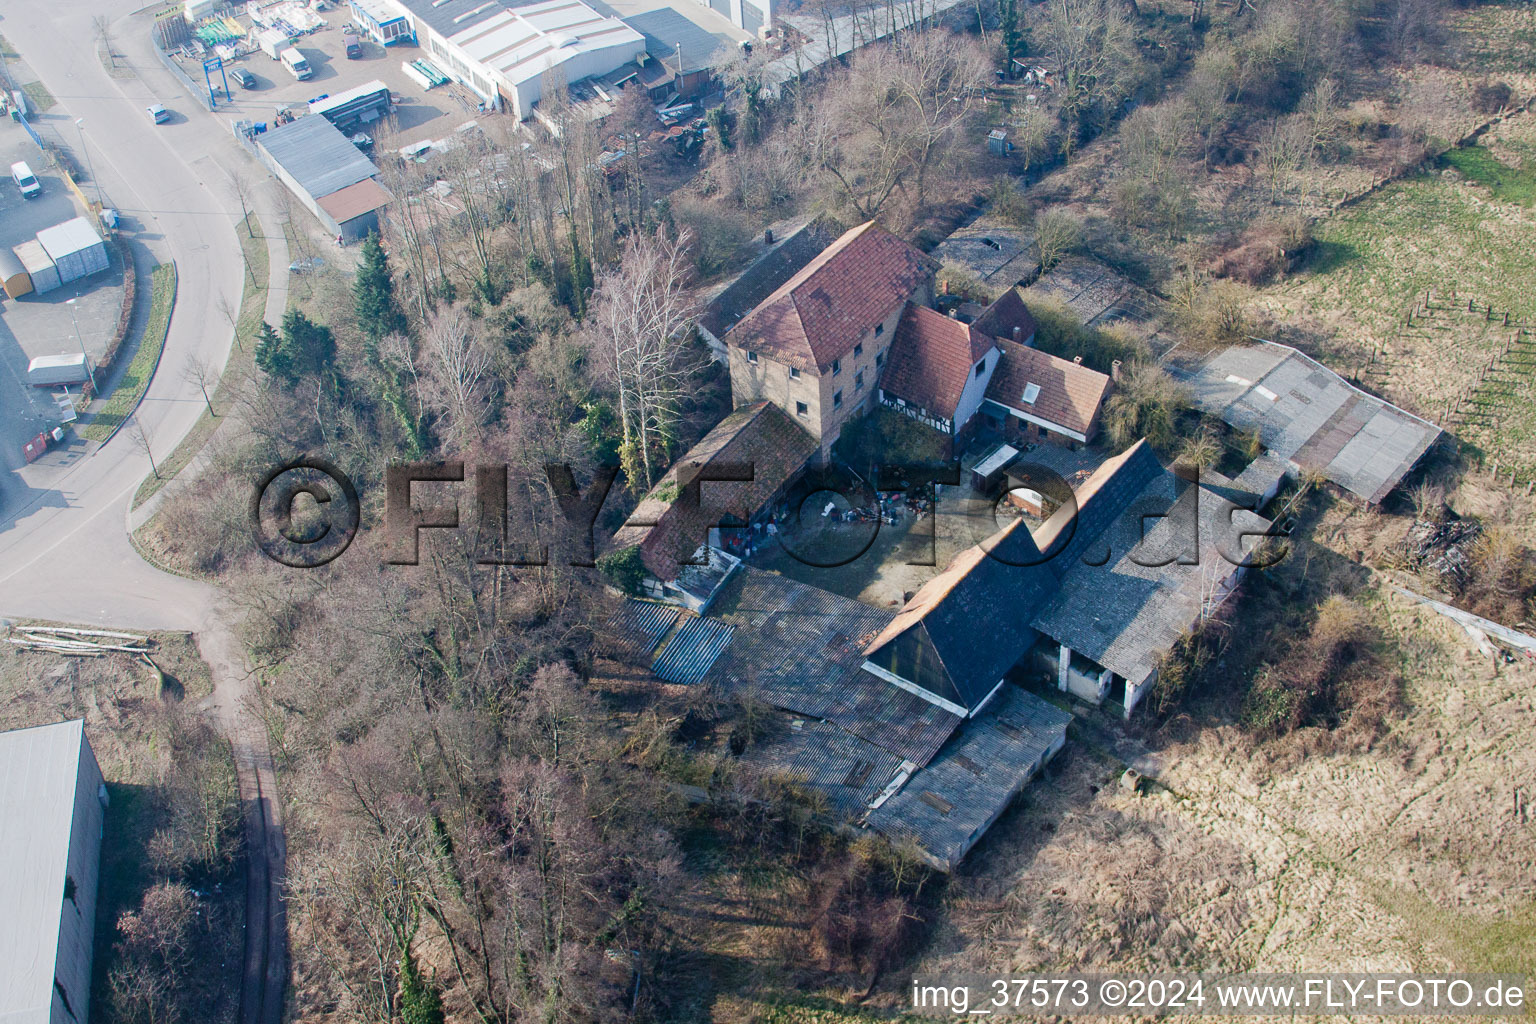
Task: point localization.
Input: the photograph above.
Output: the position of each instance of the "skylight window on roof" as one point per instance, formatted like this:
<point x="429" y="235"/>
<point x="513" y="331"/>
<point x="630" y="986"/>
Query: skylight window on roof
<point x="1031" y="392"/>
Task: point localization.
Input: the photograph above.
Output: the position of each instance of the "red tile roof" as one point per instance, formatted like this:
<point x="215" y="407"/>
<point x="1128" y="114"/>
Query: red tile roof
<point x="931" y="359"/>
<point x="818" y="314"/>
<point x="1070" y="393"/>
<point x="669" y="524"/>
<point x="355" y="200"/>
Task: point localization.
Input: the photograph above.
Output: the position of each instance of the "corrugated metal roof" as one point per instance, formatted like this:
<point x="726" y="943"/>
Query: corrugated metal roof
<point x="975" y="777"/>
<point x="523" y="43"/>
<point x="687" y="657"/>
<point x="445" y="17"/>
<point x="355" y="200"/>
<point x="317" y="155"/>
<point x="638" y="626"/>
<point x="1305" y="413"/>
<point x="848" y="771"/>
<point x="800" y="648"/>
<point x="39" y="768"/>
<point x="665" y="29"/>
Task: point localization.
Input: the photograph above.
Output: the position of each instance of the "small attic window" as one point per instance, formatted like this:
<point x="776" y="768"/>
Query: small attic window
<point x="981" y="368"/>
<point x="794" y="373"/>
<point x="751" y="357"/>
<point x="1031" y="392"/>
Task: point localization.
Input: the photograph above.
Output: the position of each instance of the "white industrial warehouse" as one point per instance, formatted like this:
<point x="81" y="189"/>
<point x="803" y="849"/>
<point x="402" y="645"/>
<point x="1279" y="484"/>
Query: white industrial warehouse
<point x="52" y="812"/>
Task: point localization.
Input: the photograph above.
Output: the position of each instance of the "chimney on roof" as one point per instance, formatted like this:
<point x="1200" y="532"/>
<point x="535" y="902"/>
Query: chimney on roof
<point x="944" y="287"/>
<point x="768" y="236"/>
<point x="1017" y="331"/>
<point x="1114" y="371"/>
<point x="1078" y="360"/>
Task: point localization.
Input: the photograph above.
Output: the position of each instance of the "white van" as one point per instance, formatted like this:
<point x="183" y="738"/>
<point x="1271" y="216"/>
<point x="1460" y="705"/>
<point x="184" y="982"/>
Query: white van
<point x="26" y="180"/>
<point x="294" y="61"/>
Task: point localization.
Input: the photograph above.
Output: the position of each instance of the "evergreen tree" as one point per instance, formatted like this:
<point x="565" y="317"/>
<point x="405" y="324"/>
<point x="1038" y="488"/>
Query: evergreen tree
<point x="373" y="294"/>
<point x="302" y="349"/>
<point x="420" y="1002"/>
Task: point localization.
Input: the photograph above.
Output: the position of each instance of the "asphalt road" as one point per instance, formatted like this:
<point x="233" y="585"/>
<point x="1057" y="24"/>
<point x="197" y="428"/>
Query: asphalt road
<point x="64" y="549"/>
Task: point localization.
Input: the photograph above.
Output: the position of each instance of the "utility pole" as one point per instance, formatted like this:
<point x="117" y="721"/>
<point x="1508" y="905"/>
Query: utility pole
<point x="81" y="341"/>
<point x="90" y="166"/>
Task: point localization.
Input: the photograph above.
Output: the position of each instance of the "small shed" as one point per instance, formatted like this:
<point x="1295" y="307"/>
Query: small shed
<point x="1027" y="499"/>
<point x="38" y="265"/>
<point x="986" y="473"/>
<point x="13" y="276"/>
<point x="75" y="248"/>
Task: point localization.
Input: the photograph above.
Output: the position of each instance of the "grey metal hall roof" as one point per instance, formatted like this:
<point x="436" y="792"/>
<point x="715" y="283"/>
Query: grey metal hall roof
<point x="39" y="770"/>
<point x="317" y="155"/>
<point x="1310" y="416"/>
<point x="666" y="31"/>
<point x="450" y="17"/>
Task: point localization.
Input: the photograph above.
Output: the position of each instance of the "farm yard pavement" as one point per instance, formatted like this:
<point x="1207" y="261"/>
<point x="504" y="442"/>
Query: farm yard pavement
<point x="1402" y="857"/>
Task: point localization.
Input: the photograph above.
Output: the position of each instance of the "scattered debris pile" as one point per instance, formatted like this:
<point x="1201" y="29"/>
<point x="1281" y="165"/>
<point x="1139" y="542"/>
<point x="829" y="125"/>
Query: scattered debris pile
<point x="1444" y="546"/>
<point x="67" y="640"/>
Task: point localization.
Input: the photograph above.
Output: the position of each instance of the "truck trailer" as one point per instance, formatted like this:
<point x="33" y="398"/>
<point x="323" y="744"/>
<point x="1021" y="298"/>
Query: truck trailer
<point x="51" y="371"/>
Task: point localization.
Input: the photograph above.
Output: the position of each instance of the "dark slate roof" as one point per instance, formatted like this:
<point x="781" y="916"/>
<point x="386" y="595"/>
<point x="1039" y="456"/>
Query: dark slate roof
<point x="1142" y="583"/>
<point x="827" y="306"/>
<point x="931" y="359"/>
<point x="969" y="624"/>
<point x="848" y="771"/>
<point x="800" y="648"/>
<point x="947" y="806"/>
<point x="1070" y="393"/>
<point x="316" y="155"/>
<point x="762" y="277"/>
<point x="674" y="518"/>
<point x="993" y="253"/>
<point x="1007" y="312"/>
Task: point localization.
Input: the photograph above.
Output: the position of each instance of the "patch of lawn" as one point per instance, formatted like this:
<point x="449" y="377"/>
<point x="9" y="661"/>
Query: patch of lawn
<point x="237" y="369"/>
<point x="1509" y="184"/>
<point x="38" y="97"/>
<point x="135" y="379"/>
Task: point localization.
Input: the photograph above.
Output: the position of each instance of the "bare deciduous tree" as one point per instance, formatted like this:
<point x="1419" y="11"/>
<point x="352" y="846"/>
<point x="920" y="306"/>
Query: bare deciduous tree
<point x="140" y="439"/>
<point x="199" y="372"/>
<point x="642" y="312"/>
<point x="458" y="371"/>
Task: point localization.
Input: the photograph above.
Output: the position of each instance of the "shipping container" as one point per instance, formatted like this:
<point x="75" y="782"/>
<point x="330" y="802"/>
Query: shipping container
<point x="75" y="249"/>
<point x="38" y="265"/>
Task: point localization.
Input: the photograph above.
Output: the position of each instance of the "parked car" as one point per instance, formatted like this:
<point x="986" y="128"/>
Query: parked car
<point x="25" y="180"/>
<point x="243" y="78"/>
<point x="158" y="114"/>
<point x="353" y="45"/>
<point x="363" y="141"/>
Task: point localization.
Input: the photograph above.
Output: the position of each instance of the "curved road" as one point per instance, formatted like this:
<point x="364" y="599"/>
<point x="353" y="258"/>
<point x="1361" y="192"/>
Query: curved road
<point x="64" y="549"/>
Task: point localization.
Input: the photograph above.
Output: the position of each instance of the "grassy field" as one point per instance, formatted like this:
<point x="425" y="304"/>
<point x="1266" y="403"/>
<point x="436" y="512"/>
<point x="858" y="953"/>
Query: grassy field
<point x="237" y="369"/>
<point x="135" y="379"/>
<point x="39" y="97"/>
<point x="1460" y="233"/>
